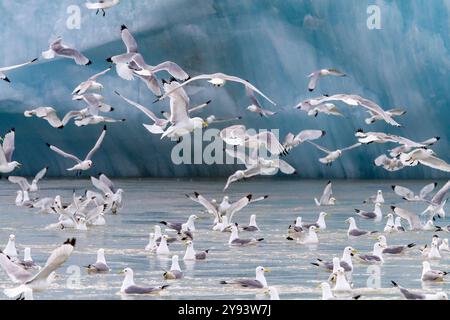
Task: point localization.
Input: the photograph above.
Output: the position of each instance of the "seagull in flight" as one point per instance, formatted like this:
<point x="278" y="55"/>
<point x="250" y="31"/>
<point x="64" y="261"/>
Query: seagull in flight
<point x="314" y="77"/>
<point x="58" y="49"/>
<point x="85" y="164"/>
<point x="333" y="155"/>
<point x="291" y="141"/>
<point x="90" y="84"/>
<point x="25" y="185"/>
<point x="6" y="69"/>
<point x="6" y="152"/>
<point x="101" y="5"/>
<point x="49" y="114"/>
<point x="425" y="157"/>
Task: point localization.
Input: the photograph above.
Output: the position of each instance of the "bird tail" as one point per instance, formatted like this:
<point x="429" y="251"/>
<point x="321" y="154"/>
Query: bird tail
<point x="411" y="245"/>
<point x="15" y="292"/>
<point x="394" y="283"/>
<point x="260" y="239"/>
<point x="356" y="297"/>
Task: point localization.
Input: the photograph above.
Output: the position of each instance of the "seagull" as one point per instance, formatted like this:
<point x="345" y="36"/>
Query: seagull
<point x="425" y="157"/>
<point x="413" y="219"/>
<point x="163" y="249"/>
<point x="342" y="284"/>
<point x="10" y="249"/>
<point x="404" y="149"/>
<point x="390" y="224"/>
<point x="434" y="253"/>
<point x="159" y="124"/>
<point x="381" y="137"/>
<point x="311" y="237"/>
<point x="429" y="274"/>
<point x="213" y="119"/>
<point x="409" y="295"/>
<point x="320" y="223"/>
<point x="95" y="120"/>
<point x="122" y="61"/>
<point x="345" y="262"/>
<point x="252" y="226"/>
<point x="5" y="69"/>
<point x="437" y="203"/>
<point x="444" y="245"/>
<point x="101" y="5"/>
<point x="6" y="152"/>
<point x="408" y="194"/>
<point x="151" y="246"/>
<point x="178" y="225"/>
<point x="100" y="265"/>
<point x="326" y="199"/>
<point x="49" y="114"/>
<point x="41" y="280"/>
<point x="259" y="282"/>
<point x="273" y="293"/>
<point x="140" y="67"/>
<point x="390" y="164"/>
<point x="314" y="77"/>
<point x="351" y="100"/>
<point x="94" y="103"/>
<point x="333" y="155"/>
<point x="191" y="254"/>
<point x="90" y="84"/>
<point x="175" y="270"/>
<point x="398" y="224"/>
<point x="23" y="182"/>
<point x="237" y="136"/>
<point x="376" y="215"/>
<point x="256" y="106"/>
<point x="129" y="287"/>
<point x="236" y="241"/>
<point x="291" y="141"/>
<point x="327" y="294"/>
<point x="394" y="249"/>
<point x="112" y="196"/>
<point x="218" y="80"/>
<point x="325" y="108"/>
<point x="85" y="164"/>
<point x="377" y="198"/>
<point x="58" y="49"/>
<point x="377" y="254"/>
<point x="376" y="117"/>
<point x="27" y="262"/>
<point x="353" y="230"/>
<point x="296" y="229"/>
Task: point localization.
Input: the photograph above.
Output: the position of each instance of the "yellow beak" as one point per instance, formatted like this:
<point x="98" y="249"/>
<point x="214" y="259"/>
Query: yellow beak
<point x="267" y="270"/>
<point x="205" y="124"/>
<point x="354" y="251"/>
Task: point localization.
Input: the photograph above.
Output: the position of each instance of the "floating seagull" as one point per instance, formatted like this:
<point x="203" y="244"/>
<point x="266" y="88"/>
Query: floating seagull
<point x="311" y="236"/>
<point x="85" y="164"/>
<point x="101" y="5"/>
<point x="236" y="241"/>
<point x="175" y="270"/>
<point x="256" y="106"/>
<point x="345" y="262"/>
<point x="394" y="153"/>
<point x="6" y="152"/>
<point x="10" y="249"/>
<point x="258" y="283"/>
<point x="434" y="253"/>
<point x="273" y="293"/>
<point x="23" y="182"/>
<point x="27" y="262"/>
<point x="252" y="226"/>
<point x="58" y="49"/>
<point x="376" y="117"/>
<point x="129" y="287"/>
<point x="394" y="249"/>
<point x="237" y="136"/>
<point x="351" y="100"/>
<point x="218" y="80"/>
<point x="314" y="77"/>
<point x="408" y="194"/>
<point x="425" y="157"/>
<point x="429" y="274"/>
<point x="296" y="229"/>
<point x="191" y="254"/>
<point x="342" y="284"/>
<point x="327" y="294"/>
<point x="333" y="155"/>
<point x="163" y="249"/>
<point x="320" y="222"/>
<point x="444" y="245"/>
<point x="291" y="141"/>
<point x="5" y="69"/>
<point x="409" y="295"/>
<point x="100" y="265"/>
<point x="414" y="220"/>
<point x="326" y="199"/>
<point x="377" y="198"/>
<point x="90" y="84"/>
<point x="151" y="246"/>
<point x="49" y="114"/>
<point x="39" y="281"/>
<point x="353" y="230"/>
<point x="325" y="108"/>
<point x="178" y="225"/>
<point x="390" y="164"/>
<point x="398" y="224"/>
<point x="377" y="254"/>
<point x="376" y="215"/>
<point x="390" y="224"/>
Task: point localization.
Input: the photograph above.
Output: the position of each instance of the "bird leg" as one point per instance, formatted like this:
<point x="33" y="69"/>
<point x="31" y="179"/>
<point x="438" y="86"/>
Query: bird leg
<point x="98" y="10"/>
<point x="104" y="12"/>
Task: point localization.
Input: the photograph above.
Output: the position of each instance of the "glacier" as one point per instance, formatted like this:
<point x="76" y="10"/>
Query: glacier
<point x="273" y="43"/>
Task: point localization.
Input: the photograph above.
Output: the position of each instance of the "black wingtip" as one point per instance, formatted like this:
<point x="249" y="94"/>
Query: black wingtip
<point x="89" y="63"/>
<point x="437" y="138"/>
<point x="123" y="27"/>
<point x="223" y="282"/>
<point x="165" y="286"/>
<point x="163" y="222"/>
<point x="109" y="59"/>
<point x="104" y="127"/>
<point x="208" y="102"/>
<point x="249" y="197"/>
<point x="360" y="130"/>
<point x="393" y="208"/>
<point x="393" y="187"/>
<point x="172" y="79"/>
<point x="411" y="245"/>
<point x="7" y="79"/>
<point x="196" y="194"/>
<point x="260" y="239"/>
<point x="34" y="60"/>
<point x="310" y="90"/>
<point x="61" y="127"/>
<point x="394" y="283"/>
<point x="315" y="264"/>
<point x="72" y="241"/>
<point x="289" y="238"/>
<point x="356" y="297"/>
<point x="117" y="93"/>
<point x="324" y="132"/>
<point x="48" y="144"/>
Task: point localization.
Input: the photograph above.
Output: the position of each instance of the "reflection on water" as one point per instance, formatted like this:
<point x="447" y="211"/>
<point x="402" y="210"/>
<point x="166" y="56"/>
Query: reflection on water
<point x="149" y="201"/>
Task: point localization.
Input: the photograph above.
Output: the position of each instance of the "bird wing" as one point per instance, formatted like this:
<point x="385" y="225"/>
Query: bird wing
<point x="14" y="272"/>
<point x="40" y="174"/>
<point x="412" y="218"/>
<point x="439" y="196"/>
<point x="103" y="178"/>
<point x="171" y="67"/>
<point x="95" y="76"/>
<point x="178" y="110"/>
<point x="8" y="144"/>
<point x="306" y="135"/>
<point x="100" y="185"/>
<point x="285" y="167"/>
<point x="319" y="147"/>
<point x="313" y="81"/>
<point x="4" y="69"/>
<point x="327" y="192"/>
<point x="251" y="94"/>
<point x="356" y="145"/>
<point x="270" y="142"/>
<point x="97" y="144"/>
<point x="435" y="163"/>
<point x="129" y="40"/>
<point x="151" y="82"/>
<point x="396" y="112"/>
<point x="205" y="203"/>
<point x="54" y="261"/>
<point x="63" y="154"/>
<point x="238" y="205"/>
<point x="21" y="181"/>
<point x="403" y="192"/>
<point x="375" y="108"/>
<point x="79" y="58"/>
<point x="241" y="156"/>
<point x="233" y="135"/>
<point x="289" y="139"/>
<point x="381" y="160"/>
<point x="147" y="112"/>
<point x="427" y="189"/>
<point x="247" y="84"/>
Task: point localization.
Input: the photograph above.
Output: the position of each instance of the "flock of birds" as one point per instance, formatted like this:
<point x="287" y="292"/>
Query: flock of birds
<point x="90" y="209"/>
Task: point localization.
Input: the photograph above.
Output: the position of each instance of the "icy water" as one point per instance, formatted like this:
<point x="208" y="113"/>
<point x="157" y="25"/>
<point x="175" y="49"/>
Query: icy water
<point x="148" y="201"/>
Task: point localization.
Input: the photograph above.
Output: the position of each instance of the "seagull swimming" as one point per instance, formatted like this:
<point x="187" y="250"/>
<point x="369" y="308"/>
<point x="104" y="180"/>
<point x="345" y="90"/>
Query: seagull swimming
<point x="85" y="164"/>
<point x="259" y="282"/>
<point x="58" y="49"/>
<point x="175" y="270"/>
<point x="399" y="249"/>
<point x="375" y="215"/>
<point x="236" y="241"/>
<point x="354" y="231"/>
<point x="129" y="287"/>
<point x="377" y="254"/>
<point x="191" y="254"/>
<point x="252" y="226"/>
<point x="377" y="198"/>
<point x="100" y="266"/>
<point x="409" y="295"/>
<point x="429" y="274"/>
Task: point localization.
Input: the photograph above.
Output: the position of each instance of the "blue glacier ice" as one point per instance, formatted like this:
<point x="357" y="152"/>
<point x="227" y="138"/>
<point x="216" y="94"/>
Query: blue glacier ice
<point x="273" y="43"/>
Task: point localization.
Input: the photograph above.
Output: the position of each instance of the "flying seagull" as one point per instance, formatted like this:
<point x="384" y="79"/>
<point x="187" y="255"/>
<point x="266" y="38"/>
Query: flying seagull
<point x="5" y="69"/>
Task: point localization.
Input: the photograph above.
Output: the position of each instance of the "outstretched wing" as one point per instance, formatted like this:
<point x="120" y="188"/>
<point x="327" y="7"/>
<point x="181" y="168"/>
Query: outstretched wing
<point x="313" y="81"/>
<point x="270" y="142"/>
<point x="103" y="178"/>
<point x="171" y="67"/>
<point x="129" y="40"/>
<point x="412" y="218"/>
<point x="306" y="135"/>
<point x="97" y="144"/>
<point x="238" y="205"/>
<point x="21" y="181"/>
<point x="63" y="154"/>
<point x="403" y="192"/>
<point x="327" y="192"/>
<point x="8" y="144"/>
<point x="40" y="174"/>
<point x="356" y="145"/>
<point x="100" y="185"/>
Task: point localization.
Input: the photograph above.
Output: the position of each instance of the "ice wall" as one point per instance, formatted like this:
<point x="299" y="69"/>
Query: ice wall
<point x="274" y="44"/>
